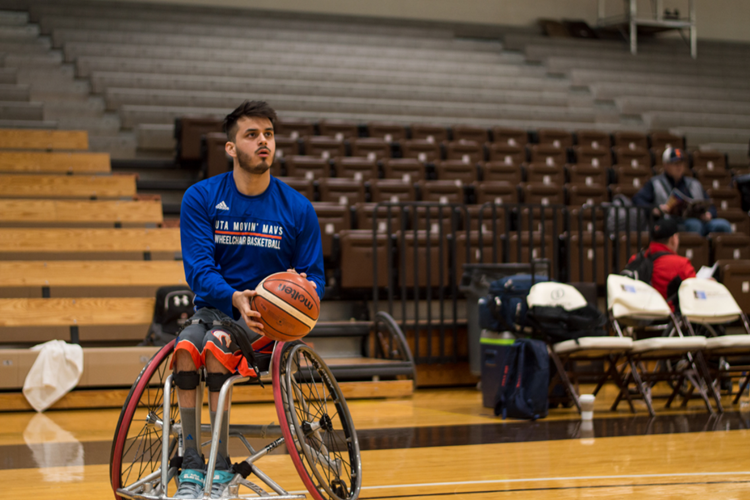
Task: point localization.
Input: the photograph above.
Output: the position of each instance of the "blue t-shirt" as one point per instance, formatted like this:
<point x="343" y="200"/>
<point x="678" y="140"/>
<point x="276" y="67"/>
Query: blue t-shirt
<point x="230" y="242"/>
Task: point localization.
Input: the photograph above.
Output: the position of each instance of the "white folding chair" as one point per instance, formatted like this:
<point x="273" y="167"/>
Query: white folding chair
<point x="636" y="303"/>
<point x="705" y="304"/>
<point x="564" y="354"/>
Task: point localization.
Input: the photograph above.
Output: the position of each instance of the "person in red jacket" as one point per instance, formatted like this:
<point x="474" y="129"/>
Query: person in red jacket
<point x="669" y="269"/>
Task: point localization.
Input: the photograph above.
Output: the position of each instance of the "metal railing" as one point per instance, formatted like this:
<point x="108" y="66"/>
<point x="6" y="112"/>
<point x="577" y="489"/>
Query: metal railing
<point x="428" y="244"/>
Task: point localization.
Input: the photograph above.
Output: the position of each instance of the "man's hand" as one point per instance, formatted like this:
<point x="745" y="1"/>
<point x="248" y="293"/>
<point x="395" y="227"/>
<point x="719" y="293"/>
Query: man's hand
<point x="304" y="275"/>
<point x="706" y="217"/>
<point x="241" y="300"/>
<point x="663" y="207"/>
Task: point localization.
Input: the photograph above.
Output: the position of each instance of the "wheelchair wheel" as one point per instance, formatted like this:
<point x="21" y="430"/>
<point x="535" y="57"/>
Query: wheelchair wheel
<point x="137" y="444"/>
<point x="316" y="424"/>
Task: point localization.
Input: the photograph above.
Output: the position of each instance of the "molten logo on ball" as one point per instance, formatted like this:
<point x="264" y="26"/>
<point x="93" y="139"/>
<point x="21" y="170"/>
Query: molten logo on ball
<point x="295" y="295"/>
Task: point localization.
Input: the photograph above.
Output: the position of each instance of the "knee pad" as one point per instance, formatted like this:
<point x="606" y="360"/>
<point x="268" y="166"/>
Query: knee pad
<point x="187" y="381"/>
<point x="214" y="381"/>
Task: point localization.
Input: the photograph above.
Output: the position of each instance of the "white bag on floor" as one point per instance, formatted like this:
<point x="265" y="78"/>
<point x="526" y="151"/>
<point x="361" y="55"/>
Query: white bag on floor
<point x="56" y="371"/>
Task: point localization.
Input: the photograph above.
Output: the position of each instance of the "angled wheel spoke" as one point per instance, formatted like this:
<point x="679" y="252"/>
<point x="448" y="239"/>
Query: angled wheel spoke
<point x="330" y="453"/>
<point x="138" y="441"/>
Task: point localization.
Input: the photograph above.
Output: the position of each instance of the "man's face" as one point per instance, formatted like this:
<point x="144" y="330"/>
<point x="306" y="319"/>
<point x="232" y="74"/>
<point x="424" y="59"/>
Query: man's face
<point x="675" y="170"/>
<point x="254" y="145"/>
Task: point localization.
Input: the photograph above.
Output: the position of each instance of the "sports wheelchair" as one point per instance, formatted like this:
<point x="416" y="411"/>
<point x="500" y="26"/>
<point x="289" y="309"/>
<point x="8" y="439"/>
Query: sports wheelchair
<point x="314" y="423"/>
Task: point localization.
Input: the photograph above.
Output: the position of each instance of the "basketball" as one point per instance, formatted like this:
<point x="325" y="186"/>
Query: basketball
<point x="288" y="305"/>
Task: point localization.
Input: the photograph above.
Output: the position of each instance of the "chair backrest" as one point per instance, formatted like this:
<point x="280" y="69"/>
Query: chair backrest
<point x="339" y="129"/>
<point x="707" y="301"/>
<point x="465" y="151"/>
<point x="388" y="131"/>
<point x="661" y="140"/>
<point x="293" y="128"/>
<point x="469" y="133"/>
<point x="598" y="157"/>
<point x="373" y="148"/>
<point x="631" y="140"/>
<point x="629" y="298"/>
<point x="429" y="132"/>
<point x="557" y="138"/>
<point x="549" y="293"/>
<point x="510" y="136"/>
<point x="594" y="139"/>
<point x="507" y="154"/>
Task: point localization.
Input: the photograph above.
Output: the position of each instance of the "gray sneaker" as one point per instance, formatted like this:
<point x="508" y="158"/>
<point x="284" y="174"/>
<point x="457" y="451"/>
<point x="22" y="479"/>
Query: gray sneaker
<point x="222" y="476"/>
<point x="191" y="484"/>
<point x="192" y="477"/>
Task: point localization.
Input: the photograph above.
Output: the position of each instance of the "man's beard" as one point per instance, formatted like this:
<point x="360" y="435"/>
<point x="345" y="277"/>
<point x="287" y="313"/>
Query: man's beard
<point x="244" y="160"/>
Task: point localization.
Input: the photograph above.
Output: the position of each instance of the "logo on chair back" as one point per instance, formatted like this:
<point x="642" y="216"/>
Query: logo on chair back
<point x="700" y="295"/>
<point x="557" y="294"/>
<point x="628" y="288"/>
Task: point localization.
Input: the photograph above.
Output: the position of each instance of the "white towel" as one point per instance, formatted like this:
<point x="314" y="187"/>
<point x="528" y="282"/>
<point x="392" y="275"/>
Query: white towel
<point x="56" y="371"/>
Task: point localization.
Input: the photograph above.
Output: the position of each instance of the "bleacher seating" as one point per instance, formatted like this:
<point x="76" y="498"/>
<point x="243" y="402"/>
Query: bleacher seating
<point x="66" y="213"/>
<point x="54" y="162"/>
<point x="64" y="186"/>
<point x="367" y="115"/>
<point x="98" y="244"/>
<point x="73" y="278"/>
<point x="46" y="140"/>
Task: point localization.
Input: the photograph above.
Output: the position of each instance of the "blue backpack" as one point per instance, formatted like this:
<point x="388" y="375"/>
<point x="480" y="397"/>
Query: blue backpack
<point x="523" y="389"/>
<point x="504" y="308"/>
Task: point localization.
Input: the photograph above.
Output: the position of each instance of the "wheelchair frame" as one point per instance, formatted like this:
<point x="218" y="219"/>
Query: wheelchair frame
<point x="311" y="441"/>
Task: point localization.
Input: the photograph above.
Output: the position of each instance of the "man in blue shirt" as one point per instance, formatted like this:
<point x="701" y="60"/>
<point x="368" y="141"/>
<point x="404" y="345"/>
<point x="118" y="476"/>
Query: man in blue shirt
<point x="236" y="229"/>
<point x="658" y="191"/>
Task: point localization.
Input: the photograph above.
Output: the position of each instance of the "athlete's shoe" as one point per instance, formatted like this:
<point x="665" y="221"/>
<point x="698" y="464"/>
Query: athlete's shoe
<point x="222" y="476"/>
<point x="192" y="477"/>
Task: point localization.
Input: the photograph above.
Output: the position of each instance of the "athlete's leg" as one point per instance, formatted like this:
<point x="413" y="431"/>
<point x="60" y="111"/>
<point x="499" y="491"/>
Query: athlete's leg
<point x="222" y="359"/>
<point x="187" y="361"/>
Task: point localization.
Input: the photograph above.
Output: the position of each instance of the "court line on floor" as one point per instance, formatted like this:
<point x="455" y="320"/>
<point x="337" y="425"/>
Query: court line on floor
<point x="548" y="479"/>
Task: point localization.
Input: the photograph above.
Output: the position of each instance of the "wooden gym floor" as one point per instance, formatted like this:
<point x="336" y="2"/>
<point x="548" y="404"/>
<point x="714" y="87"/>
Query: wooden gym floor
<point x="437" y="444"/>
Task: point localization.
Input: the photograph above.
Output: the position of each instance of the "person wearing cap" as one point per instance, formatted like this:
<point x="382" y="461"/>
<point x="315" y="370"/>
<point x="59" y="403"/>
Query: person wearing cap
<point x="657" y="191"/>
<point x="669" y="269"/>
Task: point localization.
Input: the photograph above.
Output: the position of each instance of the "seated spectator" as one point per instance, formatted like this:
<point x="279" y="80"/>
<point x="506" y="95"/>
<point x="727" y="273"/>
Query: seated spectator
<point x="658" y="192"/>
<point x="669" y="269"/>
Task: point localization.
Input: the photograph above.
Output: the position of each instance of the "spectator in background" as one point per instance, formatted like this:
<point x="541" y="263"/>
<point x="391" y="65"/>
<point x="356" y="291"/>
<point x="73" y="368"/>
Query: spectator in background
<point x="658" y="192"/>
<point x="669" y="268"/>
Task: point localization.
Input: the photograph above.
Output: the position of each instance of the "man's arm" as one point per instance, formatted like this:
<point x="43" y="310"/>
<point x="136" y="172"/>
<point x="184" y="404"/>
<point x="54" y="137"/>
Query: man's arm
<point x="197" y="237"/>
<point x="687" y="271"/>
<point x="308" y="255"/>
<point x="645" y="196"/>
<point x="711" y="209"/>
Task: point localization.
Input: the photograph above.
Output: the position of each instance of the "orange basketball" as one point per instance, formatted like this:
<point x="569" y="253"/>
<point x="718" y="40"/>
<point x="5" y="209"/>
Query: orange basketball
<point x="288" y="305"/>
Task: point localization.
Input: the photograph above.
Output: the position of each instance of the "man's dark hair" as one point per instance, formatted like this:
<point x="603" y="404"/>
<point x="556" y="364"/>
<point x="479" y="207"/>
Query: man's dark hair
<point x="250" y="109"/>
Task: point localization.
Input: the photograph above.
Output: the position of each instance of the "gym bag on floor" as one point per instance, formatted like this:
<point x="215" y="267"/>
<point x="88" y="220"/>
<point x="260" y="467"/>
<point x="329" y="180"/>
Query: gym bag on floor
<point x="525" y="380"/>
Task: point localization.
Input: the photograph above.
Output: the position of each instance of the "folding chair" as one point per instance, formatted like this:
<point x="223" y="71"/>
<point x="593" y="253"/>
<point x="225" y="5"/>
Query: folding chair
<point x="564" y="354"/>
<point x="635" y="303"/>
<point x="705" y="304"/>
